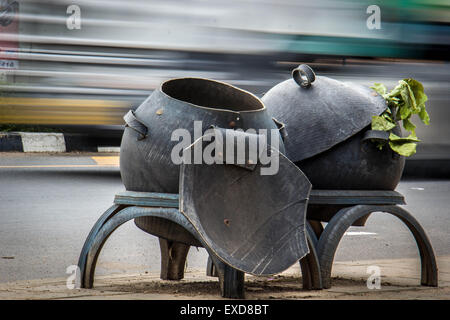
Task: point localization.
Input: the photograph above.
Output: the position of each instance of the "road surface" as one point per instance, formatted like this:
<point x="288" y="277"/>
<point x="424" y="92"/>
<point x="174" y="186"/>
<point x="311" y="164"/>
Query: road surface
<point x="48" y="203"/>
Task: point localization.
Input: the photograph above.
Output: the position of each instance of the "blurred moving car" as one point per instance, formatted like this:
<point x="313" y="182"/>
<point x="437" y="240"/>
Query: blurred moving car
<point x="82" y="66"/>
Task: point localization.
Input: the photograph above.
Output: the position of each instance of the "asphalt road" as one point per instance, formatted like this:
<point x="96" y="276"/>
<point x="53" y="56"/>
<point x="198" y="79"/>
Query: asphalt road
<point x="48" y="203"/>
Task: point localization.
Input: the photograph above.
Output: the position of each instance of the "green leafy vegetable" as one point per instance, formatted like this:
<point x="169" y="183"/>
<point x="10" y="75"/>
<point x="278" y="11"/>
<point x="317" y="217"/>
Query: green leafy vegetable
<point x="380" y="88"/>
<point x="395" y="138"/>
<point x="405" y="100"/>
<point x="409" y="126"/>
<point x="404" y="149"/>
<point x="423" y="114"/>
<point x="382" y="123"/>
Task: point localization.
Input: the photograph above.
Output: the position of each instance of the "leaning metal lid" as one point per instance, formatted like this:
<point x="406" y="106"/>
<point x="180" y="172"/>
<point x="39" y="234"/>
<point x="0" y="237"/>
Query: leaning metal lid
<point x="320" y="112"/>
<point x="249" y="218"/>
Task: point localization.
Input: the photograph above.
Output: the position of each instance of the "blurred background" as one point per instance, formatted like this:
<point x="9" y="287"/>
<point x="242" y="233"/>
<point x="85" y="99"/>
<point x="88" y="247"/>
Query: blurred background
<point x="80" y="68"/>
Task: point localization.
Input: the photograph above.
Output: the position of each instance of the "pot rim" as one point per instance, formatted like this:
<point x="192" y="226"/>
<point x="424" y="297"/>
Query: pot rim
<point x="160" y="89"/>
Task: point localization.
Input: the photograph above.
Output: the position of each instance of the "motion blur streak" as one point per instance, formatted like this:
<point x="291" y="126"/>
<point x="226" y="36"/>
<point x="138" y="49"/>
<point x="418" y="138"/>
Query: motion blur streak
<point x="52" y="73"/>
<point x="61" y="111"/>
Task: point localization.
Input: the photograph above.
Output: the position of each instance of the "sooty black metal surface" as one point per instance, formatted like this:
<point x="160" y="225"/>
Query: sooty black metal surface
<point x="355" y="164"/>
<point x="253" y="222"/>
<point x="328" y="124"/>
<point x="321" y="115"/>
<point x="145" y="152"/>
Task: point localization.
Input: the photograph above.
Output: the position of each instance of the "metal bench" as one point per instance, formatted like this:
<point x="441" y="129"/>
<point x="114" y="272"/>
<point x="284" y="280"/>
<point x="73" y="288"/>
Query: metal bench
<point x="341" y="209"/>
<point x="130" y="205"/>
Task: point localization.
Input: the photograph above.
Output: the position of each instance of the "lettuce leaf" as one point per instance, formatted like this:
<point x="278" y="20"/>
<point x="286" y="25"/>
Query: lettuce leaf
<point x="379" y="88"/>
<point x="382" y="124"/>
<point x="404" y="149"/>
<point x="406" y="99"/>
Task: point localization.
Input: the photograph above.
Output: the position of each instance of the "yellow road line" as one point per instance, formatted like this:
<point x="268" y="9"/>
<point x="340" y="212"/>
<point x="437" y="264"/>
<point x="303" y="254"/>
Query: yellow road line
<point x="109" y="161"/>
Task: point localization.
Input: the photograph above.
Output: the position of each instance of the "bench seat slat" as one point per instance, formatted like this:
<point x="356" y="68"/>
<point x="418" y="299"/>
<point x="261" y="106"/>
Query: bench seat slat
<point x="320" y="197"/>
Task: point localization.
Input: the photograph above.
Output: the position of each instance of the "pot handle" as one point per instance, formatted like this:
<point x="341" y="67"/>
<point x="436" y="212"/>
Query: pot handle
<point x="247" y="162"/>
<point x="304" y="75"/>
<point x="281" y="127"/>
<point x="376" y="135"/>
<point x="135" y="124"/>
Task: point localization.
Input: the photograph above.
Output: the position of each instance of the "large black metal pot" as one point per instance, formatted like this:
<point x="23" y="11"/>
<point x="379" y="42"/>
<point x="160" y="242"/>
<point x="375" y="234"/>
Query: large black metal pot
<point x="145" y="153"/>
<point x="355" y="164"/>
<point x="327" y="122"/>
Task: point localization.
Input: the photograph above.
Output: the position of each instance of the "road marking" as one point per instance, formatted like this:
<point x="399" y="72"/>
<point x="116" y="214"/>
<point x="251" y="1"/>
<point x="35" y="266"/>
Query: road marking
<point x="108" y="161"/>
<point x="360" y="233"/>
<point x="112" y="161"/>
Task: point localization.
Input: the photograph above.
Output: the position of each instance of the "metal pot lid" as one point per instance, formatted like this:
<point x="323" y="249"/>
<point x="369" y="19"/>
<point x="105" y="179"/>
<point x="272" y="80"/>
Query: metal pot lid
<point x="252" y="222"/>
<point x="320" y="112"/>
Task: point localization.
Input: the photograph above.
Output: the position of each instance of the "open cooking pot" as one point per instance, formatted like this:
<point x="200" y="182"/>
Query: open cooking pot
<point x="145" y="153"/>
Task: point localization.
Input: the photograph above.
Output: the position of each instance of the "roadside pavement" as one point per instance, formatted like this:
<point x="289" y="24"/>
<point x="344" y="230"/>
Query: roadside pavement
<point x="400" y="279"/>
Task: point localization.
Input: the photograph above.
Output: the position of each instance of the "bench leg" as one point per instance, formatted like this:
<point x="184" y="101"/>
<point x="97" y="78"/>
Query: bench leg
<point x="309" y="264"/>
<point x="317" y="227"/>
<point x="97" y="239"/>
<point x="173" y="259"/>
<point x="96" y="228"/>
<point x="338" y="225"/>
<point x="231" y="281"/>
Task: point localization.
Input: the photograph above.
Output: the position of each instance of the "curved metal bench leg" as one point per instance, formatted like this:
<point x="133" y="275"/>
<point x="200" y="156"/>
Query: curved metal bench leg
<point x="90" y="238"/>
<point x="310" y="230"/>
<point x="120" y="217"/>
<point x="316" y="226"/>
<point x="231" y="281"/>
<point x="310" y="266"/>
<point x="339" y="224"/>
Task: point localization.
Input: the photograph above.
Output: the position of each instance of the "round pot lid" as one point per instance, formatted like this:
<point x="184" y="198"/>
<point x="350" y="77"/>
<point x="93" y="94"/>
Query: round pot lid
<point x="320" y="112"/>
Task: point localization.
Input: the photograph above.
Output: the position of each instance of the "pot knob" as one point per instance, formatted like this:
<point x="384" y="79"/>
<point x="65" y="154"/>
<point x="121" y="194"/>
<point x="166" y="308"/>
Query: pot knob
<point x="303" y="75"/>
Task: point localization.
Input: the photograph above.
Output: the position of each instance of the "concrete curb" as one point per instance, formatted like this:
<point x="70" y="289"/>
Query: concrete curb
<point x="54" y="142"/>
